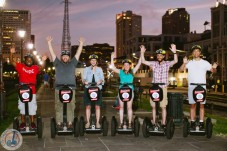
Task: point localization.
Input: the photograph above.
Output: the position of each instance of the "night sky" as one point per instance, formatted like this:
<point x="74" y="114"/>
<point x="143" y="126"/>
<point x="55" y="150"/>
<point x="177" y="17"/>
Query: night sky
<point x="95" y="19"/>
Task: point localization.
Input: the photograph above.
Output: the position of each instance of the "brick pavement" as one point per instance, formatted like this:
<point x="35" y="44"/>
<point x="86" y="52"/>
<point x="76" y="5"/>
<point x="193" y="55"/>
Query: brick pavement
<point x="93" y="142"/>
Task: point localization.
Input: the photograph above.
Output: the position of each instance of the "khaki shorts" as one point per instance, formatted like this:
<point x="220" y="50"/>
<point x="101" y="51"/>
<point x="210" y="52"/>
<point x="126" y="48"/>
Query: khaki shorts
<point x="164" y="102"/>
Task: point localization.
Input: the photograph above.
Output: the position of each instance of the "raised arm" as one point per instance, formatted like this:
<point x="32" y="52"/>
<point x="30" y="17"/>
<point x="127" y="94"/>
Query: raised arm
<point x="174" y="50"/>
<point x="142" y="50"/>
<point x="137" y="66"/>
<point x="183" y="66"/>
<point x="214" y="67"/>
<point x="51" y="50"/>
<point x="79" y="50"/>
<point x="12" y="51"/>
<point x="112" y="64"/>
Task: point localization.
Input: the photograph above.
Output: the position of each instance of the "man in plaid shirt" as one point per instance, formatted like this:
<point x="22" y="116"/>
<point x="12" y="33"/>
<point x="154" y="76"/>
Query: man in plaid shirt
<point x="160" y="70"/>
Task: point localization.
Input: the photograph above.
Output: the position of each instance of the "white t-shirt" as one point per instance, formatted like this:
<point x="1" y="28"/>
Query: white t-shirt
<point x="196" y="74"/>
<point x="197" y="71"/>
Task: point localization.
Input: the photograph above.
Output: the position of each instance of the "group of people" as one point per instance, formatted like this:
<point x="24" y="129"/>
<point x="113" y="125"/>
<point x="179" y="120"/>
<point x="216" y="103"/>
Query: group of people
<point x="65" y="74"/>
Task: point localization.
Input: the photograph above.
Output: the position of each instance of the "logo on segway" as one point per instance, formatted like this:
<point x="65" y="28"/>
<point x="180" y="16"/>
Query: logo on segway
<point x="11" y="139"/>
<point x="199" y="96"/>
<point x="65" y="96"/>
<point x="125" y="95"/>
<point x="155" y="95"/>
<point x="93" y="95"/>
<point x="25" y="95"/>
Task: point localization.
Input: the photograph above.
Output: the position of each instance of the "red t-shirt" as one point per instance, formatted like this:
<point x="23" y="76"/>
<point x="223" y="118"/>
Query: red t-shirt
<point x="27" y="74"/>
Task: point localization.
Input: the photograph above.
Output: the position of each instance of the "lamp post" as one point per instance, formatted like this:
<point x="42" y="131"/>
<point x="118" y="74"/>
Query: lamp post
<point x="21" y="34"/>
<point x="2" y="98"/>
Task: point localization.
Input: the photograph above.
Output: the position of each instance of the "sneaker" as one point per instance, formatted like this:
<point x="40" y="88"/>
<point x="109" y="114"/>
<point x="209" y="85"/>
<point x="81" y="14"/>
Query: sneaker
<point x="59" y="126"/>
<point x="162" y="127"/>
<point x="70" y="125"/>
<point x="201" y="126"/>
<point x="193" y="125"/>
<point x="22" y="126"/>
<point x="33" y="126"/>
<point x="87" y="125"/>
<point x="120" y="125"/>
<point x="113" y="106"/>
<point x="116" y="107"/>
<point x="130" y="125"/>
<point x="98" y="125"/>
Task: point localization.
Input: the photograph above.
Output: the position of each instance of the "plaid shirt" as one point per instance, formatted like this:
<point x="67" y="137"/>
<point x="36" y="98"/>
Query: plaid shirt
<point x="160" y="72"/>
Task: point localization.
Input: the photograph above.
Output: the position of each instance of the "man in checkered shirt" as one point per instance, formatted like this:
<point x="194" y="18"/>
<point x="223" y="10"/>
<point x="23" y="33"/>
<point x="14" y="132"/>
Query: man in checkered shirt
<point x="160" y="70"/>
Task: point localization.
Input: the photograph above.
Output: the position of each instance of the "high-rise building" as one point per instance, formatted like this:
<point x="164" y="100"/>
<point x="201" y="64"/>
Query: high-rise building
<point x="176" y="21"/>
<point x="14" y="20"/>
<point x="128" y="25"/>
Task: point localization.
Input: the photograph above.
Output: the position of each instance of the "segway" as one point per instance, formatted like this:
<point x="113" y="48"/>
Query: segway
<point x="199" y="95"/>
<point x="65" y="96"/>
<point x="125" y="94"/>
<point x="25" y="95"/>
<point x="156" y="94"/>
<point x="94" y="94"/>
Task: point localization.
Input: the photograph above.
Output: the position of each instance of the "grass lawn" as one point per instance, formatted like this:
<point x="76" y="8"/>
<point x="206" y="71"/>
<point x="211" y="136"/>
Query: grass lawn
<point x="12" y="111"/>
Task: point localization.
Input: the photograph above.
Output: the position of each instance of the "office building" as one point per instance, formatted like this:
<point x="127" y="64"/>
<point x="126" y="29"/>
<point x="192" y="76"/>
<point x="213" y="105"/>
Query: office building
<point x="128" y="25"/>
<point x="176" y="21"/>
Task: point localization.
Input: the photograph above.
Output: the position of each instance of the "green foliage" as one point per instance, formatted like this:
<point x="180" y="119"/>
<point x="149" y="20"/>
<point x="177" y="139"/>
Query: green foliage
<point x="12" y="111"/>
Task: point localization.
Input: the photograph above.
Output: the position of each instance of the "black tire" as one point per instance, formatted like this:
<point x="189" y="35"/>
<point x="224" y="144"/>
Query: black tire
<point x="170" y="129"/>
<point x="113" y="126"/>
<point x="185" y="127"/>
<point x="209" y="128"/>
<point x="53" y="127"/>
<point x="76" y="128"/>
<point x="145" y="127"/>
<point x="81" y="126"/>
<point x="39" y="127"/>
<point x="136" y="127"/>
<point x="16" y="123"/>
<point x="104" y="126"/>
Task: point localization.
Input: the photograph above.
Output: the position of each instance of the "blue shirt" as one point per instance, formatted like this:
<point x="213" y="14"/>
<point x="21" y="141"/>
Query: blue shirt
<point x="126" y="78"/>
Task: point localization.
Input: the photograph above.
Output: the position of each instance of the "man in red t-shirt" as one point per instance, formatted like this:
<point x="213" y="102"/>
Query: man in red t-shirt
<point x="27" y="73"/>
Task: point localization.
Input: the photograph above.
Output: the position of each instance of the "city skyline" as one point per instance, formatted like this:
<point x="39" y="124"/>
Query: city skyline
<point x="95" y="20"/>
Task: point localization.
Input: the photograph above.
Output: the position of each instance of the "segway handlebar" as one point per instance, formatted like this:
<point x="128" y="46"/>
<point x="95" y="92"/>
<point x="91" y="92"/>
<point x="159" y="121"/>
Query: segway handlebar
<point x="156" y="83"/>
<point x="198" y="84"/>
<point x="65" y="85"/>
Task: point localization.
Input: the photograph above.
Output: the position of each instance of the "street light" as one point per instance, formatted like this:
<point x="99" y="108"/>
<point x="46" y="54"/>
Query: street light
<point x="2" y="98"/>
<point x="21" y="34"/>
<point x="30" y="46"/>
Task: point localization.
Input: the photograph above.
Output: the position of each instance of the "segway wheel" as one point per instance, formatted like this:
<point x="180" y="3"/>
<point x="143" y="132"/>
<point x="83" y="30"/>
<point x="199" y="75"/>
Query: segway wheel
<point x="81" y="126"/>
<point x="113" y="126"/>
<point x="185" y="127"/>
<point x="104" y="126"/>
<point x="136" y="127"/>
<point x="16" y="123"/>
<point x="145" y="127"/>
<point x="39" y="127"/>
<point x="76" y="128"/>
<point x="170" y="129"/>
<point x="53" y="127"/>
<point x="209" y="127"/>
